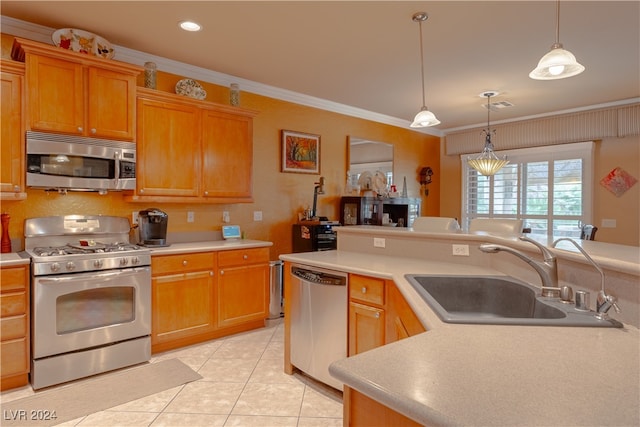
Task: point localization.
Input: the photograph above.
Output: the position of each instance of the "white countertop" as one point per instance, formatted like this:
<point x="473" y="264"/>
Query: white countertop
<point x="211" y="245"/>
<point x="13" y="258"/>
<point x="489" y="374"/>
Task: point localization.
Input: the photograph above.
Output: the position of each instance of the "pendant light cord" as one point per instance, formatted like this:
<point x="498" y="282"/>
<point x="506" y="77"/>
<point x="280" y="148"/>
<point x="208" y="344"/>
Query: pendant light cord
<point x="424" y="102"/>
<point x="558" y="22"/>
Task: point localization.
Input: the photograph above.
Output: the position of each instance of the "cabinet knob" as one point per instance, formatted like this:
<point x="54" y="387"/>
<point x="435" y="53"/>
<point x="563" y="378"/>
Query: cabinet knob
<point x="222" y="272"/>
<point x="80" y="129"/>
<point x="377" y="315"/>
<point x="16" y="188"/>
<point x="245" y="256"/>
<point x="93" y="131"/>
<point x="364" y="290"/>
<point x="141" y="191"/>
<point x="211" y="273"/>
<point x="206" y="193"/>
<point x="185" y="262"/>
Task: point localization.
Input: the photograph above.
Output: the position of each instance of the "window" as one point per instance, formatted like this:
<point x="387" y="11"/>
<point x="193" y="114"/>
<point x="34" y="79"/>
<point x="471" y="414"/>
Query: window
<point x="548" y="187"/>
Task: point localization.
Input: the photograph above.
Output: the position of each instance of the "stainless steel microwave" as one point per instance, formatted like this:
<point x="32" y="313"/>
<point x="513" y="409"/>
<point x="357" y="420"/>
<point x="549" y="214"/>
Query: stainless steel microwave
<point x="77" y="163"/>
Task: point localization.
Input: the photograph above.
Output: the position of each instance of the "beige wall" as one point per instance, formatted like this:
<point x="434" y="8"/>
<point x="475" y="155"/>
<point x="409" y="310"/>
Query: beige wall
<point x="278" y="195"/>
<point x="609" y="154"/>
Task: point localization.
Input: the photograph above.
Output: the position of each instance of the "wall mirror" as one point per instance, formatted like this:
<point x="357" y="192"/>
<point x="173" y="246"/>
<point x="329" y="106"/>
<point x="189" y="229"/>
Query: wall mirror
<point x="365" y="155"/>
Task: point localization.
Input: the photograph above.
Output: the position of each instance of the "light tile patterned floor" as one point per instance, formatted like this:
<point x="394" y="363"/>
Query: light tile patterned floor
<point x="243" y="384"/>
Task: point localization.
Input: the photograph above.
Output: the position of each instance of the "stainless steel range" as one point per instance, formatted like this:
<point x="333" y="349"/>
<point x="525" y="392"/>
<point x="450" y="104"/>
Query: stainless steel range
<point x="91" y="297"/>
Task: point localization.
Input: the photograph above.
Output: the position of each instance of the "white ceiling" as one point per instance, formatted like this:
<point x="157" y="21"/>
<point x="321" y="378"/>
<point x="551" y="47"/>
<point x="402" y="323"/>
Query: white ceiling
<point x="366" y="54"/>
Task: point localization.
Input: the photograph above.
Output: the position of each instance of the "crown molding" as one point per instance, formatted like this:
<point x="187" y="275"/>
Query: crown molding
<point x="19" y="28"/>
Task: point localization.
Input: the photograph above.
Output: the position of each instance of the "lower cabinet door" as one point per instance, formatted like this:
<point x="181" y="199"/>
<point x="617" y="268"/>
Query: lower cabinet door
<point x="183" y="305"/>
<point x="366" y="328"/>
<point x="243" y="294"/>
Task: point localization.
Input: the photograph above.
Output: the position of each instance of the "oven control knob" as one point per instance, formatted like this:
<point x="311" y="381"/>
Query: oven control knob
<point x="135" y="260"/>
<point x="124" y="261"/>
<point x="55" y="267"/>
<point x="71" y="266"/>
<point x="98" y="263"/>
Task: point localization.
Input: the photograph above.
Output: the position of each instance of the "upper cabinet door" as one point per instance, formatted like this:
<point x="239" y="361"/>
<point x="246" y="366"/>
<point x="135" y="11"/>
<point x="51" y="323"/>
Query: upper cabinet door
<point x="168" y="149"/>
<point x="55" y="95"/>
<point x="11" y="143"/>
<point x="78" y="94"/>
<point x="227" y="155"/>
<point x="112" y="104"/>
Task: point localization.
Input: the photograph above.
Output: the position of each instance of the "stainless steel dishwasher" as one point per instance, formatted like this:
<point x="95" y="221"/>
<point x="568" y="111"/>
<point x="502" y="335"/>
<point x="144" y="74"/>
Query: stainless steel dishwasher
<point x="318" y="321"/>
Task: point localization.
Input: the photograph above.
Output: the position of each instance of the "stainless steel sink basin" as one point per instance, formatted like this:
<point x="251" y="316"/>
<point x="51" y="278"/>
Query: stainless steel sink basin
<point x="498" y="300"/>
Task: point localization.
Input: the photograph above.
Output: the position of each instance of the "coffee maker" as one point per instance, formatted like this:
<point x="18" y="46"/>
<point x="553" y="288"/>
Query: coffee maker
<point x="152" y="223"/>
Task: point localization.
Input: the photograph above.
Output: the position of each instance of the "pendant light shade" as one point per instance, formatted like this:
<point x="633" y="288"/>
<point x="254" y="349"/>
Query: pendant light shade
<point x="558" y="63"/>
<point x="424" y="118"/>
<point x="488" y="163"/>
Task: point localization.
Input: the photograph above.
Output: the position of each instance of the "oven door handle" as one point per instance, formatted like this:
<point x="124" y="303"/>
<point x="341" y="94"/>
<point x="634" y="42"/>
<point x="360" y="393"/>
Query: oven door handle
<point x="94" y="276"/>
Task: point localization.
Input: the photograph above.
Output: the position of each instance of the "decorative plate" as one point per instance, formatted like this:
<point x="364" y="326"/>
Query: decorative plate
<point x="102" y="48"/>
<point x="190" y="88"/>
<point x="82" y="42"/>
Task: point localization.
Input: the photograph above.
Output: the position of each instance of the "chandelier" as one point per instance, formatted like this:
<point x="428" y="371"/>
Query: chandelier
<point x="487" y="163"/>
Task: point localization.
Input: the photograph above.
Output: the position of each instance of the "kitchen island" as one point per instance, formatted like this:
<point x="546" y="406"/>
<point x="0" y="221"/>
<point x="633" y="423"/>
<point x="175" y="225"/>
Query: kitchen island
<point x="488" y="374"/>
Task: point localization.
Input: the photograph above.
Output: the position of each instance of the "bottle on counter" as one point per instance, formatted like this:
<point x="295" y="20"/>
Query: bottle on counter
<point x="5" y="240"/>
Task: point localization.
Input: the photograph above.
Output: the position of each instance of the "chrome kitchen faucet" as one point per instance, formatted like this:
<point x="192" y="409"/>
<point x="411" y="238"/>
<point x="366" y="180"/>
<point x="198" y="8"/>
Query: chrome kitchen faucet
<point x="548" y="269"/>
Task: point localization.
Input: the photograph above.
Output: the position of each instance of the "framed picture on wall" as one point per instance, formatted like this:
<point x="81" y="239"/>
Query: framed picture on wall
<point x="300" y="152"/>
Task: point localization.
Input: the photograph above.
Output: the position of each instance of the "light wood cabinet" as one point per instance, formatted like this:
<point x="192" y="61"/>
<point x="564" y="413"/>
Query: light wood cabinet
<point x="201" y="296"/>
<point x="168" y="148"/>
<point x="378" y="314"/>
<point x="12" y="160"/>
<point x="182" y="299"/>
<point x="227" y="155"/>
<point x="401" y="320"/>
<point x="14" y="322"/>
<point x="243" y="286"/>
<point x="362" y="411"/>
<point x="77" y="94"/>
<point x="366" y="313"/>
<point x="192" y="151"/>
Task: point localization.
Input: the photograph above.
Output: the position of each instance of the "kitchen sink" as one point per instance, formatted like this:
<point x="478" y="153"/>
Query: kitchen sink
<point x="498" y="300"/>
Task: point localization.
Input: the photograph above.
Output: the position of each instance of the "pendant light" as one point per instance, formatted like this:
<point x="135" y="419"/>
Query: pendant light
<point x="487" y="163"/>
<point x="558" y="63"/>
<point x="424" y="118"/>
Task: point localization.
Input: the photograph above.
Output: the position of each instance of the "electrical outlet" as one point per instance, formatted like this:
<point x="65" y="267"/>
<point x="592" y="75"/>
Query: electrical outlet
<point x="190" y="216"/>
<point x="608" y="223"/>
<point x="225" y="216"/>
<point x="134" y="217"/>
<point x="257" y="215"/>
<point x="378" y="242"/>
<point x="460" y="250"/>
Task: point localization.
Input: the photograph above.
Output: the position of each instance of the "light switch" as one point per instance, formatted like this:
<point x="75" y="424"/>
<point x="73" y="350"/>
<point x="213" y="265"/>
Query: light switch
<point x="257" y="215"/>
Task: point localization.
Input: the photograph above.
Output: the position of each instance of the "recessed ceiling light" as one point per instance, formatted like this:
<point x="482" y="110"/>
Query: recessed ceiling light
<point x="190" y="26"/>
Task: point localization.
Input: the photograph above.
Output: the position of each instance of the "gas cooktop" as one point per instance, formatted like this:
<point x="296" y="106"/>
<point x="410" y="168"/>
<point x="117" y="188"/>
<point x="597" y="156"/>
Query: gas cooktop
<point x="89" y="248"/>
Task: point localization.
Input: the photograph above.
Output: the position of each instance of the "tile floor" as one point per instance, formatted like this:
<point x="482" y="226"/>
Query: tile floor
<point x="243" y="384"/>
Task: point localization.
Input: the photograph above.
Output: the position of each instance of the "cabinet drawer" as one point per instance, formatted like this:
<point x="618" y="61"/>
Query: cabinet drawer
<point x="14" y="327"/>
<point x="243" y="257"/>
<point x="13" y="304"/>
<point x="366" y="289"/>
<point x="15" y="357"/>
<point x="179" y="263"/>
<point x="13" y="279"/>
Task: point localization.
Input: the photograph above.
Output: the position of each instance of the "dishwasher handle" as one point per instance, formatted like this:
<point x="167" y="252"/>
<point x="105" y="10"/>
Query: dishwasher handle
<point x="319" y="277"/>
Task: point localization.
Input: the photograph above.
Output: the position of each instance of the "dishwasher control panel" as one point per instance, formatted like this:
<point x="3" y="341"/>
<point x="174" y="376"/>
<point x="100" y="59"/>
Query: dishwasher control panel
<point x="319" y="277"/>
